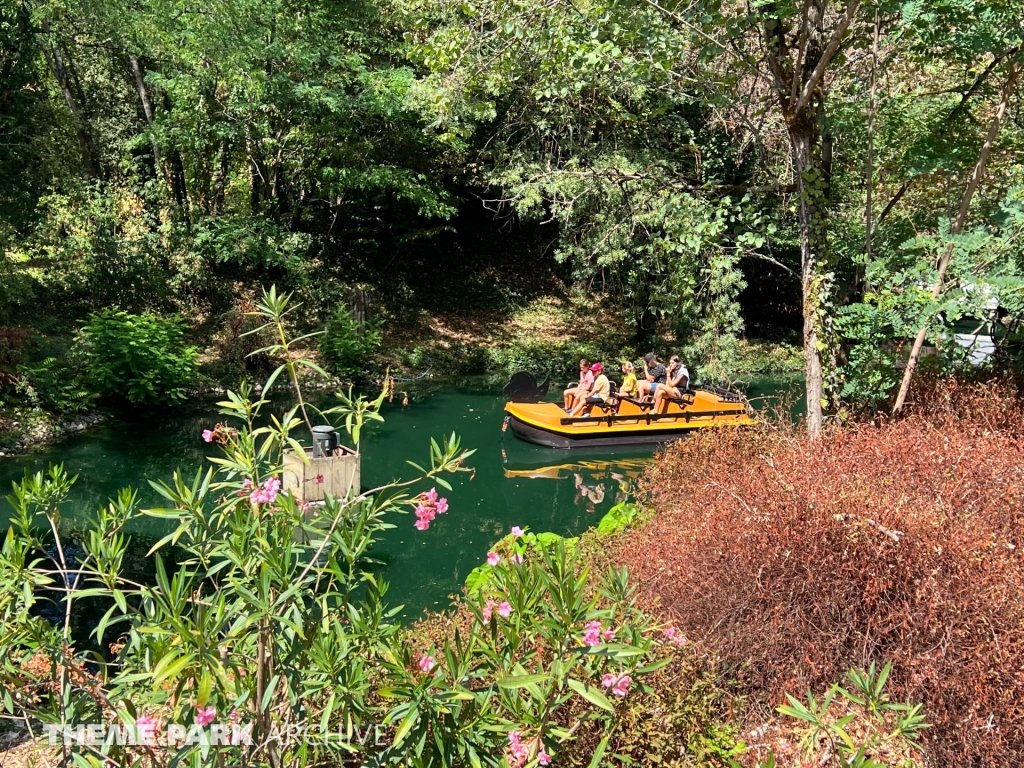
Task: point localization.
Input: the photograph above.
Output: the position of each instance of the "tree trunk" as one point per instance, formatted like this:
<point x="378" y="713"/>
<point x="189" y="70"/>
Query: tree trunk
<point x="813" y="244"/>
<point x="54" y="59"/>
<point x="958" y="225"/>
<point x="147" y="106"/>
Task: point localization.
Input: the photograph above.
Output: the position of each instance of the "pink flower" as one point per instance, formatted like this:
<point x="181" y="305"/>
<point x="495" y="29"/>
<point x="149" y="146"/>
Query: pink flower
<point x="425" y="513"/>
<point x="241" y="735"/>
<point x="442" y="506"/>
<point x="619" y="685"/>
<point x="517" y="531"/>
<point x="422" y="525"/>
<point x="493" y="558"/>
<point x="518" y="752"/>
<point x="505" y="610"/>
<point x="208" y="435"/>
<point x="592" y="634"/>
<point x="674" y="636"/>
<point x="319" y="479"/>
<point x="430" y="496"/>
<point x="516" y="558"/>
<point x="426" y="663"/>
<point x="543" y="758"/>
<point x="266" y="493"/>
<point x="608" y="635"/>
<point x="205" y="716"/>
<point x="145" y="727"/>
<point x="622" y="686"/>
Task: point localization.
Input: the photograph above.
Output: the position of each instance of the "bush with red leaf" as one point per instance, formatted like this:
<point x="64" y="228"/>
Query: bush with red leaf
<point x="902" y="541"/>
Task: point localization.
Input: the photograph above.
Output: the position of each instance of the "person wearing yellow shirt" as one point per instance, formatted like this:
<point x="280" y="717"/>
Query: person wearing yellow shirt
<point x="629" y="386"/>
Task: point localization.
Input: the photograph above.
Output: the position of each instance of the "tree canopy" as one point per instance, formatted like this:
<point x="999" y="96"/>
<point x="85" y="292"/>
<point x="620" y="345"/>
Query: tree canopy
<point x="707" y="165"/>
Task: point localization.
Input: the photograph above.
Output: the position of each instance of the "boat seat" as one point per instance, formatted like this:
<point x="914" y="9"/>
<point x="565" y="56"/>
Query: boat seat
<point x="611" y="405"/>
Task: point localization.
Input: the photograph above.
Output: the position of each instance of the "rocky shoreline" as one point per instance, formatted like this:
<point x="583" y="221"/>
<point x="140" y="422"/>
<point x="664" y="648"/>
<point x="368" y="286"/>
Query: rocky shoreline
<point x="23" y="430"/>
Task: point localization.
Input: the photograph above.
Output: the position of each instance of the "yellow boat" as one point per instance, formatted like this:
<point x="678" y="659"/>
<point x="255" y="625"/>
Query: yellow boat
<point x="622" y="421"/>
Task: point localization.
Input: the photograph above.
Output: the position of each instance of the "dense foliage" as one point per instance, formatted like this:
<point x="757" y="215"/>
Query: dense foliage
<point x="897" y="541"/>
<point x="848" y="171"/>
<point x="138" y="358"/>
<point x="265" y="617"/>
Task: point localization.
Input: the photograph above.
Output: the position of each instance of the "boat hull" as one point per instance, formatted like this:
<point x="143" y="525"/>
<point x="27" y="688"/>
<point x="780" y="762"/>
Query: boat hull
<point x="630" y="423"/>
<point x="552" y="439"/>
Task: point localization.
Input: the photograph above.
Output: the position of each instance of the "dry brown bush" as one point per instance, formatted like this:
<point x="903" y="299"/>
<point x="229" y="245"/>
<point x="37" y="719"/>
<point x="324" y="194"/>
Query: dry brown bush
<point x="901" y="541"/>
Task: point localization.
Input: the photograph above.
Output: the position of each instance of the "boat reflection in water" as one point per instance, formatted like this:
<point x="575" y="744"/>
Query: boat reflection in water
<point x="596" y="479"/>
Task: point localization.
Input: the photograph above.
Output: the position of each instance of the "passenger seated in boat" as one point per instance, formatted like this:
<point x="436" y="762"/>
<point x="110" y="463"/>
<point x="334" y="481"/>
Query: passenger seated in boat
<point x="629" y="386"/>
<point x="654" y="374"/>
<point x="598" y="395"/>
<point x="586" y="384"/>
<point x="678" y="378"/>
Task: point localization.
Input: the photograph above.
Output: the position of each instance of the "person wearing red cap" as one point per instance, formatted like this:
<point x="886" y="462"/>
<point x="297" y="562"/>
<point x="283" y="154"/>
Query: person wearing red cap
<point x="598" y="394"/>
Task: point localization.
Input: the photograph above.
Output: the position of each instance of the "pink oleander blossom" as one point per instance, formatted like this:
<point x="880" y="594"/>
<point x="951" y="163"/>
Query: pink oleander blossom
<point x="319" y="479"/>
<point x="621" y="687"/>
<point x="592" y="634"/>
<point x="426" y="663"/>
<point x="518" y="752"/>
<point x="241" y="735"/>
<point x="674" y="636"/>
<point x="493" y="558"/>
<point x="608" y="635"/>
<point x="205" y="716"/>
<point x="608" y="680"/>
<point x="517" y="531"/>
<point x="516" y="558"/>
<point x="489" y="607"/>
<point x="266" y="493"/>
<point x="505" y="610"/>
<point x="208" y="435"/>
<point x="427" y="507"/>
<point x="146" y="729"/>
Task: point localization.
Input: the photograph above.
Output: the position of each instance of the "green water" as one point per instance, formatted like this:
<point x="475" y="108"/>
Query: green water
<point x="515" y="483"/>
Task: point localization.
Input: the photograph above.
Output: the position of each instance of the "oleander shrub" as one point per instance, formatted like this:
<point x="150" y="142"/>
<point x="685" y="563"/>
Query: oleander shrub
<point x="899" y="541"/>
<point x="139" y="359"/>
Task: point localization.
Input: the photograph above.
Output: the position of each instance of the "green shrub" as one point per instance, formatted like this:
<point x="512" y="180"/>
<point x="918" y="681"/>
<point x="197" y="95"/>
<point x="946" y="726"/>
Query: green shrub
<point x="345" y="346"/>
<point x="56" y="385"/>
<point x="269" y="617"/>
<point x="142" y="359"/>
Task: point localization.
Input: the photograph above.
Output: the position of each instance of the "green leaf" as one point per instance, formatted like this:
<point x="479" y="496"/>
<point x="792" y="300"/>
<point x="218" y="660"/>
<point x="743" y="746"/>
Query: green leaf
<point x="592" y="695"/>
<point x="520" y="681"/>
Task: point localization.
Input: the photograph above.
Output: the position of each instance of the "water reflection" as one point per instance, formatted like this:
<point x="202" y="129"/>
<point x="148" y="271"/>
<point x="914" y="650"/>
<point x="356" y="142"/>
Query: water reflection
<point x="594" y="480"/>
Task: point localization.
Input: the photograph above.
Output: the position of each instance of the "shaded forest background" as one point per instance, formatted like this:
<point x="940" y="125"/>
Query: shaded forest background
<point x="639" y="175"/>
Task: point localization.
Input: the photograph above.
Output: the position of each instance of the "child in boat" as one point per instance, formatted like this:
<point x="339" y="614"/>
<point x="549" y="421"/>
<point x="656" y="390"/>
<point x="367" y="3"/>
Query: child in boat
<point x="586" y="384"/>
<point x="629" y="387"/>
<point x="654" y="374"/>
<point x="600" y="392"/>
<point x="677" y="379"/>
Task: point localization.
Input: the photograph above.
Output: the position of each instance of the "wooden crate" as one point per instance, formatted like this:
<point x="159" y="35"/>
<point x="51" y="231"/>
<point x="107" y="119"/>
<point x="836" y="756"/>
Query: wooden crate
<point x="340" y="474"/>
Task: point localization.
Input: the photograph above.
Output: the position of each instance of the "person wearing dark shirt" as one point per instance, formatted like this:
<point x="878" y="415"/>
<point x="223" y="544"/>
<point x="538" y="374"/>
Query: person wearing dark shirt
<point x="654" y="373"/>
